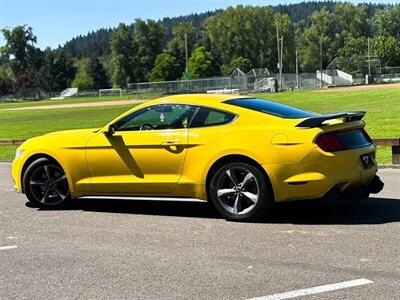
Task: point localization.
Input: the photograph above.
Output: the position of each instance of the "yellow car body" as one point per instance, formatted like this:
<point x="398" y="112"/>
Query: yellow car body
<point x="177" y="162"/>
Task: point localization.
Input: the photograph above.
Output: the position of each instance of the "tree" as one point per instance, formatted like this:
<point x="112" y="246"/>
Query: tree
<point x="321" y="32"/>
<point x="387" y="48"/>
<point x="354" y="47"/>
<point x="243" y="31"/>
<point x="387" y="22"/>
<point x="351" y="22"/>
<point x="165" y="68"/>
<point x="122" y="50"/>
<point x="97" y="73"/>
<point x="5" y="86"/>
<point x="285" y="30"/>
<point x="19" y="48"/>
<point x="55" y="71"/>
<point x="176" y="47"/>
<point x="82" y="79"/>
<point x="200" y="63"/>
<point x="63" y="71"/>
<point x="134" y="53"/>
<point x="22" y="84"/>
<point x="7" y="78"/>
<point x="148" y="38"/>
<point x="240" y="62"/>
<point x="32" y="67"/>
<point x="91" y="75"/>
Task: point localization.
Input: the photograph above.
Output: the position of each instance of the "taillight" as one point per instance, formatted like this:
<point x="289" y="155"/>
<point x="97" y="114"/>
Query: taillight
<point x="329" y="142"/>
<point x="366" y="135"/>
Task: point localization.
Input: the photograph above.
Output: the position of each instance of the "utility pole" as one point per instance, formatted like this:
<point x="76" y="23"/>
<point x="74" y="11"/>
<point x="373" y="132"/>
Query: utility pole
<point x="369" y="63"/>
<point x="279" y="54"/>
<point x="186" y="54"/>
<point x="297" y="71"/>
<point x="281" y="64"/>
<point x="320" y="62"/>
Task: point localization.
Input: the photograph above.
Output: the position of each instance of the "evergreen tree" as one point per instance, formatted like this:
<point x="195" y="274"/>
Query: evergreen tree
<point x="176" y="46"/>
<point x="148" y="39"/>
<point x="122" y="50"/>
<point x="98" y="74"/>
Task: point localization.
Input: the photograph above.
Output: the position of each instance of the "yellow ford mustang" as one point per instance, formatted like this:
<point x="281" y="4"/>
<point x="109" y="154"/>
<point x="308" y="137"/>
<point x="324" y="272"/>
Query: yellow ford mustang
<point x="242" y="154"/>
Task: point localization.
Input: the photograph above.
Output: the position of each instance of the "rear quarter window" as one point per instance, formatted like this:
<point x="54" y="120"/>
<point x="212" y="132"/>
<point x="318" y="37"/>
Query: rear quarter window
<point x="271" y="108"/>
<point x="205" y="117"/>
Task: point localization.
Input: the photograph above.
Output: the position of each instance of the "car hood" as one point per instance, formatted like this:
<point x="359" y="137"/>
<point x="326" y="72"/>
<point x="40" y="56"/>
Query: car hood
<point x="73" y="132"/>
<point x="60" y="139"/>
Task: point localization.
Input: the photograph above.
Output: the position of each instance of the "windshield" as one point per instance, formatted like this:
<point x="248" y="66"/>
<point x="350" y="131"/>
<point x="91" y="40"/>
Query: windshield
<point x="271" y="108"/>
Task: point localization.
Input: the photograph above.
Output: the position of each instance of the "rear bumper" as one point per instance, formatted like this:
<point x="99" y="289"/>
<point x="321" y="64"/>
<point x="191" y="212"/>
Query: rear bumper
<point x="362" y="191"/>
<point x="320" y="172"/>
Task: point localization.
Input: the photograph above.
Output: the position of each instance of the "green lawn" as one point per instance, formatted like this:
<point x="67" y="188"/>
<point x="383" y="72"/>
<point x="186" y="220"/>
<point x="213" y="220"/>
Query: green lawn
<point x="7" y="152"/>
<point x="382" y="106"/>
<point x="23" y="124"/>
<point x="26" y="103"/>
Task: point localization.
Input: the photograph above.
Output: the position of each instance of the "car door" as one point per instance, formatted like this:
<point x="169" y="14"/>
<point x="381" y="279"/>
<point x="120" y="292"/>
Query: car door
<point x="145" y="155"/>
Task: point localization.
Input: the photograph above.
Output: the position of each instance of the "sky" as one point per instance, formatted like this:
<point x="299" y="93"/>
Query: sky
<point x="56" y="21"/>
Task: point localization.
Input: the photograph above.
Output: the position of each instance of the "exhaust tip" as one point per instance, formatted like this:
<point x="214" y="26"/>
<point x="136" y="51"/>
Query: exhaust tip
<point x="376" y="185"/>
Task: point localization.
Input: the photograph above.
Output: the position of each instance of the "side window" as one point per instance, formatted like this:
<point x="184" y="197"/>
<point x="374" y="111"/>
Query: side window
<point x="210" y="117"/>
<point x="157" y="117"/>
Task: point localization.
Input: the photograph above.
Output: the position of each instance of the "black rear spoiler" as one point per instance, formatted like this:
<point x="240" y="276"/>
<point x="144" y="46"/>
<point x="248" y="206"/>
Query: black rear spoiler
<point x="317" y="121"/>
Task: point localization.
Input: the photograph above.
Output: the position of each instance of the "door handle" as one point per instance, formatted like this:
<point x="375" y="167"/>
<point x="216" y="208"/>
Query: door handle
<point x="171" y="143"/>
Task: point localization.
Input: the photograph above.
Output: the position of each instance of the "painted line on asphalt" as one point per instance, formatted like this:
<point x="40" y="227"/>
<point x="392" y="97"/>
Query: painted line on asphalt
<point x="8" y="247"/>
<point x="316" y="290"/>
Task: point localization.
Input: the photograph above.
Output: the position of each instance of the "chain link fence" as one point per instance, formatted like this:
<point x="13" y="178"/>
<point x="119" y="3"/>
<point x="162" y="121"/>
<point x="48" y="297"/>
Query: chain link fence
<point x="248" y="83"/>
<point x="255" y="81"/>
<point x="390" y="74"/>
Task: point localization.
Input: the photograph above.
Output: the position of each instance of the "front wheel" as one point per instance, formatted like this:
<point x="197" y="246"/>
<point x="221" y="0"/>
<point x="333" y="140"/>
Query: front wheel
<point x="45" y="184"/>
<point x="240" y="191"/>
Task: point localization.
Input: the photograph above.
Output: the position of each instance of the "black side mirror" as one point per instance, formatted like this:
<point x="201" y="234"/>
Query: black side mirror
<point x="110" y="130"/>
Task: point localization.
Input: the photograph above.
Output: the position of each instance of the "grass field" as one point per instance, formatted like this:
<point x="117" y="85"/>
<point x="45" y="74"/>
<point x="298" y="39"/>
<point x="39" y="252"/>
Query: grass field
<point x="23" y="124"/>
<point x="382" y="106"/>
<point x="24" y="103"/>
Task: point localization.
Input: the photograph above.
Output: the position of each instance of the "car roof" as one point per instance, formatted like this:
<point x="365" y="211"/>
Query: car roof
<point x="196" y="98"/>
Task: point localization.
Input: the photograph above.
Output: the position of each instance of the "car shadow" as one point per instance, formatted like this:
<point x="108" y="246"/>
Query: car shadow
<point x="370" y="211"/>
<point x="140" y="207"/>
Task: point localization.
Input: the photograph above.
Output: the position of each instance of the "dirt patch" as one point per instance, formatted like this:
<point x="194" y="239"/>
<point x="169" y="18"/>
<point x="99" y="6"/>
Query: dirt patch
<point x="75" y="105"/>
<point x="361" y="88"/>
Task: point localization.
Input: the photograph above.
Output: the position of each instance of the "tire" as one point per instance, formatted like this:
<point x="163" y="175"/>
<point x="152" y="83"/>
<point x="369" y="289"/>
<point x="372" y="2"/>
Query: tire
<point x="45" y="184"/>
<point x="240" y="191"/>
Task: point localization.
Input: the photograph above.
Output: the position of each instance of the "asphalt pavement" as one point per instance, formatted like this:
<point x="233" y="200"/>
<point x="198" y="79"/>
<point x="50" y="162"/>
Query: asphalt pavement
<point x="103" y="249"/>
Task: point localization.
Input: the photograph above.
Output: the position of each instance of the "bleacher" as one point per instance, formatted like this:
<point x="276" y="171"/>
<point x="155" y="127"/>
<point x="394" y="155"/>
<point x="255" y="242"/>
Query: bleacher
<point x="66" y="94"/>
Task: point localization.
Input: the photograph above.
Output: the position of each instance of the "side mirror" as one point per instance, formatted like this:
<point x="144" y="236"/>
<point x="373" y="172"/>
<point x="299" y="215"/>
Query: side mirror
<point x="110" y="130"/>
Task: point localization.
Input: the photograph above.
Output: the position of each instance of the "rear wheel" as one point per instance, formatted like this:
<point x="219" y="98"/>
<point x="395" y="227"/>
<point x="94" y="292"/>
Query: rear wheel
<point x="45" y="184"/>
<point x="240" y="191"/>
